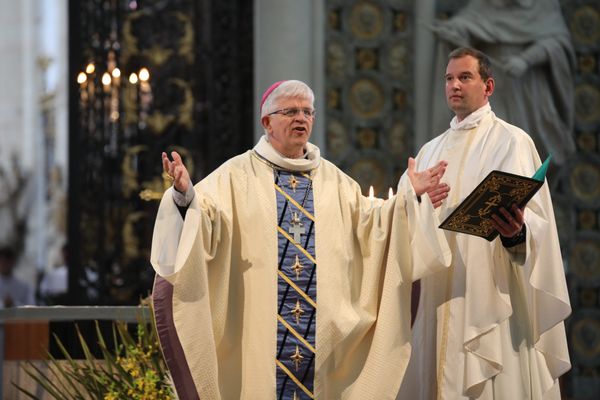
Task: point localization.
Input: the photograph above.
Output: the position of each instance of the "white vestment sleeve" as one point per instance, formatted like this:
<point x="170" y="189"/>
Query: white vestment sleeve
<point x="184" y="199"/>
<point x="173" y="236"/>
<point x="429" y="247"/>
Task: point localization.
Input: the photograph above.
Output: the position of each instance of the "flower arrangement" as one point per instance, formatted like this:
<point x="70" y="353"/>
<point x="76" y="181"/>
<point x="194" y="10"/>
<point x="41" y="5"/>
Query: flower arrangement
<point x="134" y="369"/>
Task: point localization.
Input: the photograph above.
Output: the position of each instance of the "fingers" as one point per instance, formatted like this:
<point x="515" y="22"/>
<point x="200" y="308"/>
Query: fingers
<point x="426" y="180"/>
<point x="171" y="167"/>
<point x="176" y="170"/>
<point x="510" y="225"/>
<point x="176" y="158"/>
<point x="438" y="194"/>
<point x="518" y="214"/>
<point x="439" y="169"/>
<point x="166" y="163"/>
<point x="411" y="165"/>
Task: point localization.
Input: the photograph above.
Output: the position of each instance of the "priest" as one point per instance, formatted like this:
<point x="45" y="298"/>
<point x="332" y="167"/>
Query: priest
<point x="492" y="325"/>
<point x="277" y="279"/>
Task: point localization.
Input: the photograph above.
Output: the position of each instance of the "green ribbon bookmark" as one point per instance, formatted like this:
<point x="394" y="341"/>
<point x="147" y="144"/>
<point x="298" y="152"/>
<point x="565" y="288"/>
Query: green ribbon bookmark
<point x="540" y="174"/>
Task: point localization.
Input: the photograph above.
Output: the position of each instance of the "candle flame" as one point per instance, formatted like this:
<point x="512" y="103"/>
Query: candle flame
<point x="81" y="78"/>
<point x="133" y="78"/>
<point x="116" y="73"/>
<point x="390" y="193"/>
<point x="106" y="79"/>
<point x="144" y="74"/>
<point x="90" y="68"/>
<point x="371" y="193"/>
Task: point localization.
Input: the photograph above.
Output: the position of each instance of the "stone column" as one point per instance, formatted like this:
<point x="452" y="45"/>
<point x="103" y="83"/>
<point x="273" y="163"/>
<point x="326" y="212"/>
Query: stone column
<point x="289" y="40"/>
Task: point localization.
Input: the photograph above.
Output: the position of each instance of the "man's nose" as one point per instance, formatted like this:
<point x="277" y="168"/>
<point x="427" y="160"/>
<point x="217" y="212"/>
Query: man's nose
<point x="452" y="83"/>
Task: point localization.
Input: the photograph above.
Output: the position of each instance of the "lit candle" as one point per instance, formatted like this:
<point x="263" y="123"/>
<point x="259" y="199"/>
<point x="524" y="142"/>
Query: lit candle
<point x="81" y="78"/>
<point x="144" y="74"/>
<point x="106" y="80"/>
<point x="390" y="193"/>
<point x="133" y="78"/>
<point x="145" y="94"/>
<point x="371" y="194"/>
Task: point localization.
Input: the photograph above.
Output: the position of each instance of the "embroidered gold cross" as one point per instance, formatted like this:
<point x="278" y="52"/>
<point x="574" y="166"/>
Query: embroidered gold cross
<point x="297" y="357"/>
<point x="297" y="311"/>
<point x="297" y="267"/>
<point x="293" y="182"/>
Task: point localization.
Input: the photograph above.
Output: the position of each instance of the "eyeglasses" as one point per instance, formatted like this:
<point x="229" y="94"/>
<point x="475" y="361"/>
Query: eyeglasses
<point x="292" y="112"/>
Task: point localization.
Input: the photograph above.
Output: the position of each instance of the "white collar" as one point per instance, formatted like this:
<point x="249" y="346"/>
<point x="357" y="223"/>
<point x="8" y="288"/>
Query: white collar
<point x="311" y="159"/>
<point x="472" y="120"/>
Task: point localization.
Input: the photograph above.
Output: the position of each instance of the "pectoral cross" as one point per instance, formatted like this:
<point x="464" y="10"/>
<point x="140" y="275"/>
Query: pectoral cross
<point x="297" y="228"/>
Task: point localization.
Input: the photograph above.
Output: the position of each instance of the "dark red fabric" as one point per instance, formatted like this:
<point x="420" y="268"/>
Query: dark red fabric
<point x="162" y="299"/>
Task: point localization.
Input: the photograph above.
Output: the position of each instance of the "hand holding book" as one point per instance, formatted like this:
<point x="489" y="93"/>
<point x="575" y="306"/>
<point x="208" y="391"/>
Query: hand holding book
<point x="499" y="189"/>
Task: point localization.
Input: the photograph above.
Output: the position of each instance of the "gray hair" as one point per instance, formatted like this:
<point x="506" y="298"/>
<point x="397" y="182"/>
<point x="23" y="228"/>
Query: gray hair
<point x="287" y="89"/>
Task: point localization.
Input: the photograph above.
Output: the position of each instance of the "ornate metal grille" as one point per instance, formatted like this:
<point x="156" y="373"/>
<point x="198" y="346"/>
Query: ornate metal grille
<point x="146" y="77"/>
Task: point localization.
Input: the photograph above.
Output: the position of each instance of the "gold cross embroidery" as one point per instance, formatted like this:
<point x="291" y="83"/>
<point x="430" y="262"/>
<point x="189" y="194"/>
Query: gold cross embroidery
<point x="297" y="357"/>
<point x="297" y="267"/>
<point x="297" y="311"/>
<point x="293" y="182"/>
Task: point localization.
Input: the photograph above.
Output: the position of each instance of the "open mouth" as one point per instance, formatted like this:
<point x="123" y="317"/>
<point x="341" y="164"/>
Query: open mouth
<point x="299" y="129"/>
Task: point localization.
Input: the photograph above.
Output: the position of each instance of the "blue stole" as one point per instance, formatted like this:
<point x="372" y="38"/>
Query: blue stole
<point x="297" y="286"/>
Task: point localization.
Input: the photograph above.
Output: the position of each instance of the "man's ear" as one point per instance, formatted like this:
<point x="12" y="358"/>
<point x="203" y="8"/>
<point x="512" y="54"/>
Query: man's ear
<point x="266" y="123"/>
<point x="490" y="84"/>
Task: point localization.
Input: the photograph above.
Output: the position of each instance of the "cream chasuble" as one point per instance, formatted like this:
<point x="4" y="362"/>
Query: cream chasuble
<point x="491" y="325"/>
<point x="217" y="280"/>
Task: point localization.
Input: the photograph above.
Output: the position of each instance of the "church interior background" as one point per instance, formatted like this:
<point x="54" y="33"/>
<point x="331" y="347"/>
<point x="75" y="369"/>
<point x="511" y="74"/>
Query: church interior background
<point x="94" y="91"/>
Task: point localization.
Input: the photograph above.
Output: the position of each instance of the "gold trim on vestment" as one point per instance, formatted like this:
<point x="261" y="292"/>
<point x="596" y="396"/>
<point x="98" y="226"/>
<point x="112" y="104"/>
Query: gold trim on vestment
<point x="445" y="333"/>
<point x="295" y="333"/>
<point x="449" y="284"/>
<point x="293" y="378"/>
<point x="294" y="202"/>
<point x="302" y="249"/>
<point x="297" y="289"/>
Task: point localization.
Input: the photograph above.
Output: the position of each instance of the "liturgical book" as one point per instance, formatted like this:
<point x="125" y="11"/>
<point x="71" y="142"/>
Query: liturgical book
<point x="498" y="189"/>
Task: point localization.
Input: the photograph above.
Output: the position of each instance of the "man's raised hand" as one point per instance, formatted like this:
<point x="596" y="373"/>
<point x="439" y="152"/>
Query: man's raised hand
<point x="177" y="171"/>
<point x="428" y="181"/>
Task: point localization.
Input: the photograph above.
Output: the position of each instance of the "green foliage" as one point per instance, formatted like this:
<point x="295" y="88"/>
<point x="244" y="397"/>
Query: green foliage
<point x="134" y="369"/>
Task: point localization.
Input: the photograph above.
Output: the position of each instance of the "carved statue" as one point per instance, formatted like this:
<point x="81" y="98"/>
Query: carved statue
<point x="533" y="62"/>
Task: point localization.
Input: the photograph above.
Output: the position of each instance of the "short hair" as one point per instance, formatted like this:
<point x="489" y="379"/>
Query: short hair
<point x="291" y="88"/>
<point x="485" y="65"/>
